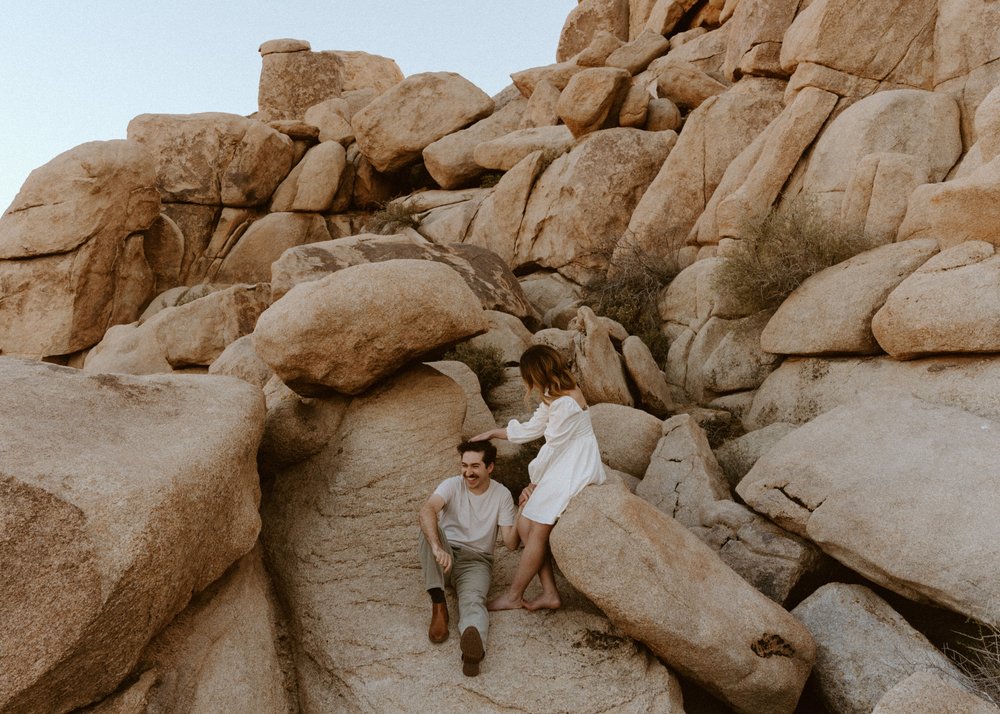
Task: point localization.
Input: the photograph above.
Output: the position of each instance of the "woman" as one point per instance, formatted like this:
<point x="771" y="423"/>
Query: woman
<point x="568" y="461"/>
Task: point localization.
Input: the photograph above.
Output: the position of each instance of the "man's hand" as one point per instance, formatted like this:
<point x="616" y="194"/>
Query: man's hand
<point x="442" y="557"/>
<point x="525" y="494"/>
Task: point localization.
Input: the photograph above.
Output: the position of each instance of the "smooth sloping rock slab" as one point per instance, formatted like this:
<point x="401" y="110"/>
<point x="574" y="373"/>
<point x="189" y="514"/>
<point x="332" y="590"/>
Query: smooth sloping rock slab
<point x="802" y="389"/>
<point x="864" y="482"/>
<point x="950" y="304"/>
<point x="660" y="584"/>
<point x="360" y="324"/>
<point x="863" y="647"/>
<point x="221" y="653"/>
<point x="498" y="219"/>
<point x="647" y="376"/>
<point x="831" y="312"/>
<point x="114" y="509"/>
<point x="485" y="274"/>
<point x="358" y="613"/>
<point x="781" y="146"/>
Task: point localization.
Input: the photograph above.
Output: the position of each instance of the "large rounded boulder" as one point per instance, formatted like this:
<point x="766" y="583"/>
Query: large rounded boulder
<point x="115" y="507"/>
<point x="352" y="328"/>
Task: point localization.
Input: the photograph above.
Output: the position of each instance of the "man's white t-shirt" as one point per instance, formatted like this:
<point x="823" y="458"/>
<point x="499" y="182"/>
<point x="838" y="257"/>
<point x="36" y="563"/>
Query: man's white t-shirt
<point x="469" y="520"/>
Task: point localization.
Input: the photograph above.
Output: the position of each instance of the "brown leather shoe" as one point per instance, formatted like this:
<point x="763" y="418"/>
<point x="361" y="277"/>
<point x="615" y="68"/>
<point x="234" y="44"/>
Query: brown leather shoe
<point x="472" y="651"/>
<point x="438" y="631"/>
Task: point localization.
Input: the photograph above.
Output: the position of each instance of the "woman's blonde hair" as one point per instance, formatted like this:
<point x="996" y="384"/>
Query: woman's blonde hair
<point x="544" y="369"/>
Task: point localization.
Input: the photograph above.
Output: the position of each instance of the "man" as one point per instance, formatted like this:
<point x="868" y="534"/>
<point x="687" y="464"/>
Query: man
<point x="458" y="526"/>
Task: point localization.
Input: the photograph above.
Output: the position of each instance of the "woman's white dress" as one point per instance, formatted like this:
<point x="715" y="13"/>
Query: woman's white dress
<point x="567" y="462"/>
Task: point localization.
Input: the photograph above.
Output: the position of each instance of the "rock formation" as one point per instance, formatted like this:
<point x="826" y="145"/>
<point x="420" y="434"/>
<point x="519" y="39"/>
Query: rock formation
<point x="828" y="448"/>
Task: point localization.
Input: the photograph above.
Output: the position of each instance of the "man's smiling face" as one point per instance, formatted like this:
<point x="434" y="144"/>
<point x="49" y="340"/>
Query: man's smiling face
<point x="475" y="472"/>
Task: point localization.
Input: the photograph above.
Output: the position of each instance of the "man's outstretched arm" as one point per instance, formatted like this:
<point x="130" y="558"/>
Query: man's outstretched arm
<point x="429" y="525"/>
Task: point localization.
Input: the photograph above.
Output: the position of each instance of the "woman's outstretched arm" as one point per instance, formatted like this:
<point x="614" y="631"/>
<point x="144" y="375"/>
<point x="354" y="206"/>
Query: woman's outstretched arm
<point x="492" y="434"/>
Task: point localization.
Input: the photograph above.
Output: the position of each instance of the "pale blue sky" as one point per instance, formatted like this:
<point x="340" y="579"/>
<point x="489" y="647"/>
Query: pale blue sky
<point x="76" y="70"/>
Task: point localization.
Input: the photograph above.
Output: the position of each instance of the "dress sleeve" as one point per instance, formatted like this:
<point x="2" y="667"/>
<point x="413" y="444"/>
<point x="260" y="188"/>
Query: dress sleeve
<point x="561" y="424"/>
<point x="532" y="429"/>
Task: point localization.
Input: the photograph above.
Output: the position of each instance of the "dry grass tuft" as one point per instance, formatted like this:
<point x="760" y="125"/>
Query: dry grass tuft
<point x="392" y="218"/>
<point x="782" y="248"/>
<point x="629" y="294"/>
<point x="978" y="657"/>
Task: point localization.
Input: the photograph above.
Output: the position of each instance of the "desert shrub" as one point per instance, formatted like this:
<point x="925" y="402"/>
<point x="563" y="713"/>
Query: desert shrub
<point x="392" y="218"/>
<point x="486" y="362"/>
<point x="629" y="293"/>
<point x="977" y="655"/>
<point x="490" y="179"/>
<point x="783" y="247"/>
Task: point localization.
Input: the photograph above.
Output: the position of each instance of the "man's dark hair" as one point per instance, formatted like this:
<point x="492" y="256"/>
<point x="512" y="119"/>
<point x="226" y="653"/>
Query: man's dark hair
<point x="485" y="448"/>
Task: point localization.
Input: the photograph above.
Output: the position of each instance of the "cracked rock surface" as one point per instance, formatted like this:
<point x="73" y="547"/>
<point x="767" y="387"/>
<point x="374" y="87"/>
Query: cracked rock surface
<point x="897" y="489"/>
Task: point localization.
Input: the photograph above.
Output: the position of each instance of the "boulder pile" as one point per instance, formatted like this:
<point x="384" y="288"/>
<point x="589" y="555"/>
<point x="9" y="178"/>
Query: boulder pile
<point x="232" y="357"/>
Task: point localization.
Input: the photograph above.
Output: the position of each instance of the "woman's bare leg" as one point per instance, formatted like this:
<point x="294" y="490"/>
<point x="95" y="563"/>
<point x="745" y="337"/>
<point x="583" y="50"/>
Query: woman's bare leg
<point x="523" y="526"/>
<point x="536" y="547"/>
<point x="549" y="598"/>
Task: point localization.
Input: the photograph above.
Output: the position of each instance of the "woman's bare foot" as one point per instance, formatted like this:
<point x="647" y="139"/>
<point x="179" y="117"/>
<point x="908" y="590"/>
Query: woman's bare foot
<point x="545" y="601"/>
<point x="504" y="602"/>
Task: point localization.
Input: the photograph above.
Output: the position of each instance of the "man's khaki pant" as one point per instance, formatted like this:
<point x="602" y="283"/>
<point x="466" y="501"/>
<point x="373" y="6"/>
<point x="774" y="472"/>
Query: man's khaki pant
<point x="470" y="574"/>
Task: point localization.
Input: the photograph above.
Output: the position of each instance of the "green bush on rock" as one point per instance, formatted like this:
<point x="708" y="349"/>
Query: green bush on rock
<point x="486" y="362"/>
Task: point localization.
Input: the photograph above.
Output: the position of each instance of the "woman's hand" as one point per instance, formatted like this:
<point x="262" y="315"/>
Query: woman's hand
<point x="525" y="494"/>
<point x="485" y="436"/>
